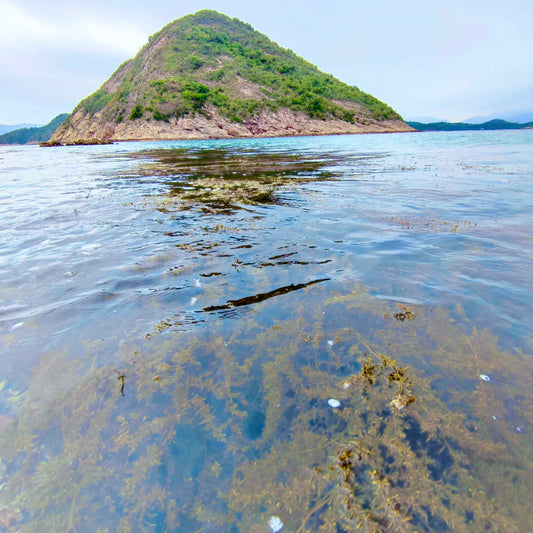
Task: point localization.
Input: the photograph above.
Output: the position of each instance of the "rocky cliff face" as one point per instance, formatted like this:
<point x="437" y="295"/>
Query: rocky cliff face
<point x="207" y="76"/>
<point x="213" y="126"/>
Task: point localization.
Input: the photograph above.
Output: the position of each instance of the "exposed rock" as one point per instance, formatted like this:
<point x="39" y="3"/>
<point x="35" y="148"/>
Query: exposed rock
<point x="210" y="125"/>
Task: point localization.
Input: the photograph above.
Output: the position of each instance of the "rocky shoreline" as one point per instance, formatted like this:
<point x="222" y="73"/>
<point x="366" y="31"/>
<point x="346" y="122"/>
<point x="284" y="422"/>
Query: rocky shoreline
<point x="79" y="142"/>
<point x="83" y="129"/>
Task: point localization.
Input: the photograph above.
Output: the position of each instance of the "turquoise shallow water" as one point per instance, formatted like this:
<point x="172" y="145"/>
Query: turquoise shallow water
<point x="99" y="273"/>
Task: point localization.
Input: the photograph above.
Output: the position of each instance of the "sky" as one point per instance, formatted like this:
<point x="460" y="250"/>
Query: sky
<point x="447" y="59"/>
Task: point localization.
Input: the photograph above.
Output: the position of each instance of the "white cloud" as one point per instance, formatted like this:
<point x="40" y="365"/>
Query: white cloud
<point x="20" y="28"/>
<point x="450" y="58"/>
<point x="57" y="55"/>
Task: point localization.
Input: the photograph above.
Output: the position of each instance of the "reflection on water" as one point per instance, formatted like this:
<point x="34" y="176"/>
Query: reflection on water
<point x="350" y="353"/>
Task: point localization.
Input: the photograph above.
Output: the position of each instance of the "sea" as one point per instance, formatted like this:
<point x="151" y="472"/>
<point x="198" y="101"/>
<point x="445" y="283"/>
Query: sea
<point x="349" y="349"/>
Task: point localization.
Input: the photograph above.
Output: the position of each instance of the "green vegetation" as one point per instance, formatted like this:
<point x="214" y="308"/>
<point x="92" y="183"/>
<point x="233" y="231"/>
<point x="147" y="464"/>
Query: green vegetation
<point x="208" y="59"/>
<point x="96" y="102"/>
<point x="34" y="135"/>
<point x="136" y="112"/>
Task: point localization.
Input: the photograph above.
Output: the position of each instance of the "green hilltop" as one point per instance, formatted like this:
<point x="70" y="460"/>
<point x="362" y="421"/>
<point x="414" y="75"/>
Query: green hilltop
<point x="209" y="61"/>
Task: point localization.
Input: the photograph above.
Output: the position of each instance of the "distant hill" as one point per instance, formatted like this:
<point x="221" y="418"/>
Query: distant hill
<point x="210" y="76"/>
<point x="495" y="124"/>
<point x="424" y="119"/>
<point x="35" y="134"/>
<point x="5" y="128"/>
<point x="519" y="118"/>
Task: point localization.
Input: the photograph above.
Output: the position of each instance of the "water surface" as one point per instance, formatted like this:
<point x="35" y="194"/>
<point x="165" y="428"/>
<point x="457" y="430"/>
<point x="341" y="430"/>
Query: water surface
<point x="175" y="316"/>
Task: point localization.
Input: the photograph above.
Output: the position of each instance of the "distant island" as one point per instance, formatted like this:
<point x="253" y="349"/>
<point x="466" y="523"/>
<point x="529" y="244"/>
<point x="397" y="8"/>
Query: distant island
<point x="209" y="76"/>
<point x="33" y="135"/>
<point x="495" y="124"/>
<point x="5" y="128"/>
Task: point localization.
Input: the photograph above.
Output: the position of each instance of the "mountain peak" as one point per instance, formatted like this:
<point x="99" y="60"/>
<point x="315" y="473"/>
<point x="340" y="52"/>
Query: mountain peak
<point x="210" y="16"/>
<point x="208" y="75"/>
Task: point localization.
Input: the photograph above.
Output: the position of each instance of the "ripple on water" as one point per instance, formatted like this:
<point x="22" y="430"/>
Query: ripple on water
<point x="106" y="264"/>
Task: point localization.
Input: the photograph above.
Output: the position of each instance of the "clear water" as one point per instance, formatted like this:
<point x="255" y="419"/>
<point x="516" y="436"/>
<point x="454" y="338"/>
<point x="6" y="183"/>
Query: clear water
<point x="228" y="332"/>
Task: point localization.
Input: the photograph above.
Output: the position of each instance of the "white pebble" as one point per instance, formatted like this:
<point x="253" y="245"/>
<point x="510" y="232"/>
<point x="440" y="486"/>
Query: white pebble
<point x="275" y="524"/>
<point x="484" y="377"/>
<point x="331" y="343"/>
<point x="398" y="404"/>
<point x="332" y="402"/>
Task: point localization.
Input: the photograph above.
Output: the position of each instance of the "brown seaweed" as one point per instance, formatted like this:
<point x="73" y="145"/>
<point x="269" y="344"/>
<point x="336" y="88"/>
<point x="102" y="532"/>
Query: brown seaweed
<point x="222" y="429"/>
<point x="221" y="181"/>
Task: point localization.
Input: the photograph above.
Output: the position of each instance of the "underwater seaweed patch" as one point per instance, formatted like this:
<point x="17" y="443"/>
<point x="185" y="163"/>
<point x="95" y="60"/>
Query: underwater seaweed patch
<point x="220" y="429"/>
<point x="222" y="181"/>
